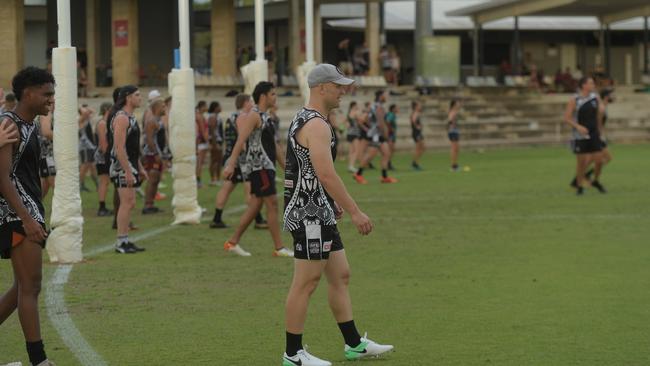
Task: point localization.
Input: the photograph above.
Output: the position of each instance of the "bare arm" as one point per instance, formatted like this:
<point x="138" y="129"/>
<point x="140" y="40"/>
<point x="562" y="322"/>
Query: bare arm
<point x="601" y="115"/>
<point x="101" y="134"/>
<point x="8" y="133"/>
<point x="568" y="117"/>
<point x="46" y="127"/>
<point x="33" y="229"/>
<point x="279" y="156"/>
<point x="317" y="139"/>
<point x="149" y="132"/>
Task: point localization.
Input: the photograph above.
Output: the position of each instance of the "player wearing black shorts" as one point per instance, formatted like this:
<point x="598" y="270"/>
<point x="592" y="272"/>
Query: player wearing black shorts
<point x="314" y="198"/>
<point x="378" y="140"/>
<point x="243" y="104"/>
<point x="416" y="133"/>
<point x="256" y="141"/>
<point x="453" y="133"/>
<point x="126" y="170"/>
<point x="584" y="114"/>
<point x="22" y="215"/>
<point x="45" y="138"/>
<point x="102" y="163"/>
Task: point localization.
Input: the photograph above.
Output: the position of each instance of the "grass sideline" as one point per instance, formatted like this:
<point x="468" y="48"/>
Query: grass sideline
<point x="502" y="265"/>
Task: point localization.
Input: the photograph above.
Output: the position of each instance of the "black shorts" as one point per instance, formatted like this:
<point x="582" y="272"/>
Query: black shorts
<point x="588" y="146"/>
<point x="102" y="169"/>
<point x="263" y="183"/>
<point x="12" y="234"/>
<point x="321" y="241"/>
<point x="120" y="181"/>
<point x="86" y="156"/>
<point x="238" y="176"/>
<point x="453" y="136"/>
<point x="351" y="138"/>
<point x="47" y="168"/>
<point x="417" y="136"/>
<point x="603" y="144"/>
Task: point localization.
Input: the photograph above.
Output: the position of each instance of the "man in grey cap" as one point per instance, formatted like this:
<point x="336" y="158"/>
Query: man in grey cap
<point x="314" y="198"/>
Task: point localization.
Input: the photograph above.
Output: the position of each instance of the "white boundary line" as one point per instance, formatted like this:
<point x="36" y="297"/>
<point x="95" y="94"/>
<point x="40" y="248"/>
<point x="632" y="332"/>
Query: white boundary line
<point x="57" y="310"/>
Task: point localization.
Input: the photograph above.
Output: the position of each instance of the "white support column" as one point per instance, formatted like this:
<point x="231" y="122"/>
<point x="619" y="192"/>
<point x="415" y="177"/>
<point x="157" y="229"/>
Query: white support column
<point x="309" y="29"/>
<point x="65" y="241"/>
<point x="182" y="140"/>
<point x="257" y="70"/>
<point x="259" y="30"/>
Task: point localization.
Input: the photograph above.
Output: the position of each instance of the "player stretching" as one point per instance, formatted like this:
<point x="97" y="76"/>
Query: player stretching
<point x="314" y="198"/>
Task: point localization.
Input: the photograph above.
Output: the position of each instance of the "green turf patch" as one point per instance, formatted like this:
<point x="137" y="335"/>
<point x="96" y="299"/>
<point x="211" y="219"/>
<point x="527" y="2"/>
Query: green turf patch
<point x="501" y="265"/>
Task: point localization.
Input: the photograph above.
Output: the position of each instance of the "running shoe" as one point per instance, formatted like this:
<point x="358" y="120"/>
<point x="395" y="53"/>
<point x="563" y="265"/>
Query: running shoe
<point x="235" y="248"/>
<point x="303" y="358"/>
<point x="416" y="166"/>
<point x="135" y="247"/>
<point x="150" y="210"/>
<point x="218" y="225"/>
<point x="283" y="252"/>
<point x="360" y="179"/>
<point x="596" y="184"/>
<point x="102" y="212"/>
<point x="46" y="363"/>
<point x="14" y="364"/>
<point x="262" y="225"/>
<point x="389" y="180"/>
<point x="367" y="348"/>
<point x="124" y="248"/>
<point x="160" y="196"/>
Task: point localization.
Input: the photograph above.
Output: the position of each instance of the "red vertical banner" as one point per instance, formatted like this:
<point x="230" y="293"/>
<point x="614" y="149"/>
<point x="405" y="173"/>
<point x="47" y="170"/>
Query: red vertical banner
<point x="121" y="32"/>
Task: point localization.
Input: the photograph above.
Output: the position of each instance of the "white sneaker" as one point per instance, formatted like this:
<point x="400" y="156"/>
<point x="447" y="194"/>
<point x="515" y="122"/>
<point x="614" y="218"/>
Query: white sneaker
<point x="235" y="248"/>
<point x="366" y="348"/>
<point x="14" y="364"/>
<point x="46" y="363"/>
<point x="303" y="358"/>
<point x="284" y="252"/>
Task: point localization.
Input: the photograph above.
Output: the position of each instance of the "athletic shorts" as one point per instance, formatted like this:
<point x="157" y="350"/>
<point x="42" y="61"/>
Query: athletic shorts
<point x="588" y="146"/>
<point x="120" y="181"/>
<point x="238" y="176"/>
<point x="376" y="140"/>
<point x="86" y="156"/>
<point x="351" y="138"/>
<point x="453" y="136"/>
<point x="47" y="167"/>
<point x="149" y="162"/>
<point x="102" y="169"/>
<point x="316" y="242"/>
<point x="12" y="235"/>
<point x="417" y="136"/>
<point x="262" y="183"/>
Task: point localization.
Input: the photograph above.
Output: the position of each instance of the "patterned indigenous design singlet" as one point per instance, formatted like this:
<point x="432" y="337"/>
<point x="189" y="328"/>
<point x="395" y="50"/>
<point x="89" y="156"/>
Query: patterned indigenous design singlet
<point x="257" y="157"/>
<point x="132" y="147"/>
<point x="24" y="173"/>
<point x="586" y="114"/>
<point x="305" y="200"/>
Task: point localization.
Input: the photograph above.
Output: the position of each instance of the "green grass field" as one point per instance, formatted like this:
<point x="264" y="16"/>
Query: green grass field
<point x="502" y="265"/>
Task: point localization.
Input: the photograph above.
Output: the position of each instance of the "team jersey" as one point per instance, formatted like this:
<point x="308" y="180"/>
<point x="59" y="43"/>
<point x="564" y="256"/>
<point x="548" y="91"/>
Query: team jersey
<point x="86" y="137"/>
<point x="586" y="114"/>
<point x="132" y="146"/>
<point x="156" y="149"/>
<point x="25" y="174"/>
<point x="259" y="155"/>
<point x="374" y="127"/>
<point x="305" y="200"/>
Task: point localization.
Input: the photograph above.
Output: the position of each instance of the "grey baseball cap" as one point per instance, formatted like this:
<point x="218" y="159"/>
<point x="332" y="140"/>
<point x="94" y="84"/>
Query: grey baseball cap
<point x="326" y="73"/>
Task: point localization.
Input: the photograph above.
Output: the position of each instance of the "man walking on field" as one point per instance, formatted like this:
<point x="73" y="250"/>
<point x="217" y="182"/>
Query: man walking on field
<point x="315" y="198"/>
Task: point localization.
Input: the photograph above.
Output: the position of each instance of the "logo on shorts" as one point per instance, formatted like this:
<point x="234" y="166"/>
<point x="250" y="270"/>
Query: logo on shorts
<point x="299" y="247"/>
<point x="327" y="246"/>
<point x="314" y="247"/>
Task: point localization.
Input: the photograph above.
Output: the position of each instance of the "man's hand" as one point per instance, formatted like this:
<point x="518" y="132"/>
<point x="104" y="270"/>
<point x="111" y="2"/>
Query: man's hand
<point x="362" y="222"/>
<point x="130" y="179"/>
<point x="338" y="211"/>
<point x="8" y="133"/>
<point x="34" y="231"/>
<point x="228" y="171"/>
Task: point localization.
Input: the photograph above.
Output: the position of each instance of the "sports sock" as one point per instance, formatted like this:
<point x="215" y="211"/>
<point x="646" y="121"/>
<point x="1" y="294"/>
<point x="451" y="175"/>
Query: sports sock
<point x="122" y="239"/>
<point x="384" y="173"/>
<point x="102" y="205"/>
<point x="217" y="215"/>
<point x="36" y="352"/>
<point x="454" y="166"/>
<point x="360" y="171"/>
<point x="259" y="218"/>
<point x="294" y="344"/>
<point x="350" y="333"/>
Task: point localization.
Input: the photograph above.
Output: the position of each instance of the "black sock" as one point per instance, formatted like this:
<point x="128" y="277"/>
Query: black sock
<point x="36" y="352"/>
<point x="360" y="171"/>
<point x="217" y="215"/>
<point x="259" y="218"/>
<point x="384" y="173"/>
<point x="454" y="166"/>
<point x="350" y="333"/>
<point x="294" y="344"/>
<point x="102" y="205"/>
